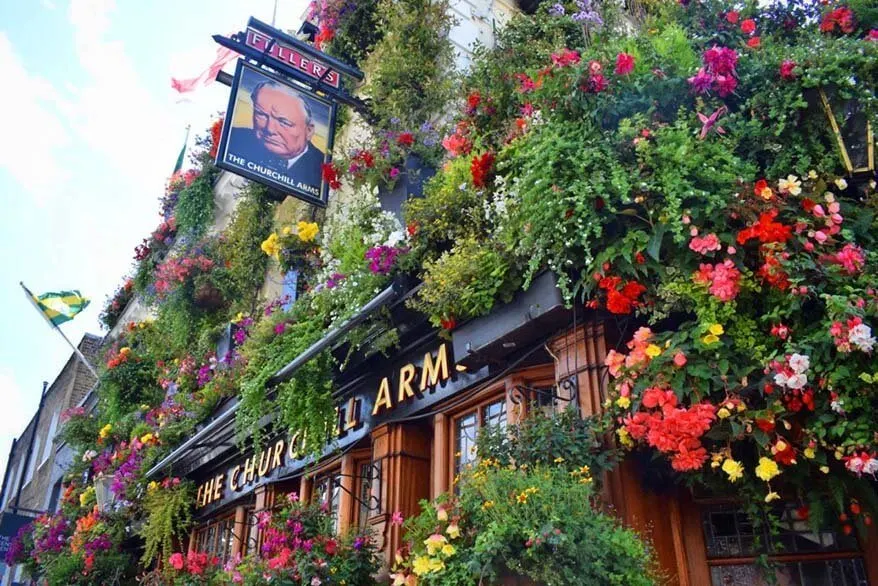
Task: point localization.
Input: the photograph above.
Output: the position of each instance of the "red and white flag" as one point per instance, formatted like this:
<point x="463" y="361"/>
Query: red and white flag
<point x="223" y="56"/>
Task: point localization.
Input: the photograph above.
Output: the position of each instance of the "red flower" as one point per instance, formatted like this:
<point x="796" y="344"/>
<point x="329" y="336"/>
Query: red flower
<point x="766" y="230"/>
<point x="803" y="512"/>
<point x="176" y="560"/>
<point x="842" y="18"/>
<point x="754" y="42"/>
<point x="787" y="68"/>
<point x="330" y="175"/>
<point x="216" y="130"/>
<point x="366" y="158"/>
<point x="449" y="323"/>
<point x="473" y="101"/>
<point x="412" y="228"/>
<point x="480" y="167"/>
<point x="732" y="16"/>
<point x="565" y="57"/>
<point x="773" y="274"/>
<point x="748" y="27"/>
<point x="624" y="64"/>
<point x="766" y="425"/>
<point x="597" y="83"/>
<point x="405" y="139"/>
<point x="808" y="204"/>
<point x="618" y="303"/>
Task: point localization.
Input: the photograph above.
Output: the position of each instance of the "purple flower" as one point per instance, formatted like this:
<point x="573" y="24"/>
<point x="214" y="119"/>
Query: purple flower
<point x="280" y="328"/>
<point x="394" y="173"/>
<point x="381" y="258"/>
<point x="701" y="81"/>
<point x="334" y="280"/>
<point x="100" y="543"/>
<point x="358" y="543"/>
<point x="205" y="373"/>
<point x="557" y="10"/>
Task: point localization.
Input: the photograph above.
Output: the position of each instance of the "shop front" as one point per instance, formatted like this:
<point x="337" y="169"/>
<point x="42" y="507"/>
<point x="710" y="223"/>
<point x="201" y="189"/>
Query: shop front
<point x="407" y="426"/>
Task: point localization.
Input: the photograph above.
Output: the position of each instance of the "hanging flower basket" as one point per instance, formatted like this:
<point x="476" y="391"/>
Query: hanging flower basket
<point x="408" y="185"/>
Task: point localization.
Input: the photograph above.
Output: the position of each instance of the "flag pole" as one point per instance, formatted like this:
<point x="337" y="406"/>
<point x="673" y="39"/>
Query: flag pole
<point x="76" y="350"/>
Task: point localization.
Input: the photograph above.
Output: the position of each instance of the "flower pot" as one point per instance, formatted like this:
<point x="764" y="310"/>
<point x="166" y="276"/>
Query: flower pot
<point x="208" y="297"/>
<point x="409" y="185"/>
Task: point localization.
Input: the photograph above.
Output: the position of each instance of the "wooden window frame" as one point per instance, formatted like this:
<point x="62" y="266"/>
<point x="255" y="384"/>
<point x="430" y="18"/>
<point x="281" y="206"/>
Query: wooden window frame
<point x="226" y="519"/>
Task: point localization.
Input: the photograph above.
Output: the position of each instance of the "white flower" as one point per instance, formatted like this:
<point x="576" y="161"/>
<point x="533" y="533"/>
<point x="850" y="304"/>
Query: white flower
<point x="791" y="185"/>
<point x="870" y="466"/>
<point x="841" y="183"/>
<point x="837" y="406"/>
<point x="781" y="379"/>
<point x="799" y="363"/>
<point x="861" y="337"/>
<point x="89" y="456"/>
<point x="797" y="381"/>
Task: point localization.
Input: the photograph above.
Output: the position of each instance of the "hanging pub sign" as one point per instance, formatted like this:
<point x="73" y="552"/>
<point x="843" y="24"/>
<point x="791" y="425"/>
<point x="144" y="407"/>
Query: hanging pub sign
<point x="277" y="134"/>
<point x="280" y="122"/>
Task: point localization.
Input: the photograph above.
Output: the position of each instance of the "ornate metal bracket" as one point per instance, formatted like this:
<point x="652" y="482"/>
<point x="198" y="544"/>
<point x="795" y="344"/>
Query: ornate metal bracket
<point x="374" y="504"/>
<point x="565" y="390"/>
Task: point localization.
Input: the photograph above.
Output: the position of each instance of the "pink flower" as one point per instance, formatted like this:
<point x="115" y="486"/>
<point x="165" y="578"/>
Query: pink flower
<point x="624" y="64"/>
<point x="721" y="279"/>
<point x="787" y="70"/>
<point x="705" y="244"/>
<point x="176" y="560"/>
<point x="873" y="35"/>
<point x="397" y="518"/>
<point x="679" y="360"/>
<point x="850" y="258"/>
<point x="733" y="16"/>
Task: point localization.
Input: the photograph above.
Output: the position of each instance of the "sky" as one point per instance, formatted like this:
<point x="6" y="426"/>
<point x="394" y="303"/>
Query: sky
<point x="90" y="129"/>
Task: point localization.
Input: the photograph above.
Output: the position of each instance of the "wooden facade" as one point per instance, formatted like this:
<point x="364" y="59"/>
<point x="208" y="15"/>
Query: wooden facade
<point x="415" y="458"/>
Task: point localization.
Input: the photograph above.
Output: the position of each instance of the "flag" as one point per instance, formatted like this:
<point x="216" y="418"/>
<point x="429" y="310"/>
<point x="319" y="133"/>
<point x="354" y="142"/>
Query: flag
<point x="58" y="307"/>
<point x="223" y="56"/>
<point x="179" y="165"/>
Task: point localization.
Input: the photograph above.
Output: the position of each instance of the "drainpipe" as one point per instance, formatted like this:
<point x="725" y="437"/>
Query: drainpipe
<point x="30" y="446"/>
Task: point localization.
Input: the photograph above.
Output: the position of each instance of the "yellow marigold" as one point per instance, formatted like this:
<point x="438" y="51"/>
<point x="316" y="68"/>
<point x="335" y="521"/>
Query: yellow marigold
<point x="148" y="437"/>
<point x="307" y="230"/>
<point x="767" y="469"/>
<point x="734" y="469"/>
<point x="270" y="245"/>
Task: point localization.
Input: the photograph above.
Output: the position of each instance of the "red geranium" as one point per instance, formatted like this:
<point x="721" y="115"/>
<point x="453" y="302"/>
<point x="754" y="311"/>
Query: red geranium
<point x="624" y="64"/>
<point x="405" y="139"/>
<point x="480" y="168"/>
<point x="732" y="16"/>
<point x="748" y="27"/>
<point x="330" y="175"/>
<point x="754" y="42"/>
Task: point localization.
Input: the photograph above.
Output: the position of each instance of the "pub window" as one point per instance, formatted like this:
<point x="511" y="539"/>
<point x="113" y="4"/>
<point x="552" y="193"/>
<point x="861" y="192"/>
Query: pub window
<point x="367" y="489"/>
<point x="327" y="492"/>
<point x="467" y="426"/>
<point x="805" y="557"/>
<point x="217" y="538"/>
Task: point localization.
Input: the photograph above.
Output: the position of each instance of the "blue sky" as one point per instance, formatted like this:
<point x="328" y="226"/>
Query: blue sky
<point x="89" y="131"/>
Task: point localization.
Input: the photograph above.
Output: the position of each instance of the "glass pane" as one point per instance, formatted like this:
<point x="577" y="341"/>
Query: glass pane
<point x="365" y="495"/>
<point x="494" y="414"/>
<point x="845" y="572"/>
<point x="727" y="532"/>
<point x="335" y="502"/>
<point x="465" y="442"/>
<point x="252" y="535"/>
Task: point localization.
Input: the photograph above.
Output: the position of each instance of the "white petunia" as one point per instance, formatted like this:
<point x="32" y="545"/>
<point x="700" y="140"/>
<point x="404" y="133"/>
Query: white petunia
<point x="861" y="337"/>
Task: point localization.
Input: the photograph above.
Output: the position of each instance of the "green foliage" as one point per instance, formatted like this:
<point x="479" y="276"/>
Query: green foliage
<point x="195" y="207"/>
<point x="359" y="29"/>
<point x="250" y="225"/>
<point x="410" y="68"/>
<point x="465" y="282"/>
<point x="168" y="515"/>
<point x="564" y="440"/>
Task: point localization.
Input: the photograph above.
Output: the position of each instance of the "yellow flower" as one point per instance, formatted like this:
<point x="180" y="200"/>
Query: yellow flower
<point x="824" y="469"/>
<point x="709" y="339"/>
<point x="623" y="402"/>
<point x="126" y="351"/>
<point x="810" y="453"/>
<point x="791" y="185"/>
<point x="734" y="469"/>
<point x="421" y="565"/>
<point x="442" y="514"/>
<point x="767" y="469"/>
<point x="812" y="174"/>
<point x="716" y="330"/>
<point x="287" y="230"/>
<point x="448" y="550"/>
<point x="521" y="498"/>
<point x="624" y="437"/>
<point x="436" y="565"/>
<point x="453" y="530"/>
<point x="270" y="245"/>
<point x="487" y="505"/>
<point x="841" y="183"/>
<point x="434" y="543"/>
<point x="652" y="351"/>
<point x="771" y="496"/>
<point x="307" y="231"/>
<point x="723" y="413"/>
<point x="105" y="431"/>
<point x="146" y="438"/>
<point x="558" y="460"/>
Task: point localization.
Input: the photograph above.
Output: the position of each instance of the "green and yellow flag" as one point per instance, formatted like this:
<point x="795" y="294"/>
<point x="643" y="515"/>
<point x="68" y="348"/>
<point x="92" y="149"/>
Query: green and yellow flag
<point x="58" y="307"/>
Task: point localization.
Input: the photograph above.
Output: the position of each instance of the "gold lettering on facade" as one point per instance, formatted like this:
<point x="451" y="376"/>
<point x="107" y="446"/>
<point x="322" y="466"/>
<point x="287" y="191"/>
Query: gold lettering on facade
<point x="406" y="376"/>
<point x="264" y="461"/>
<point x="435" y="372"/>
<point x="278" y="453"/>
<point x="249" y="469"/>
<point x="198" y="496"/>
<point x="352" y="414"/>
<point x="233" y="480"/>
<point x="218" y="484"/>
<point x="383" y="397"/>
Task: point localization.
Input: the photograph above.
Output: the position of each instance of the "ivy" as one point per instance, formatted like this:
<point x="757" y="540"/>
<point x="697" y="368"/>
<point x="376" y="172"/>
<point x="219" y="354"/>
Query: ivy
<point x="168" y="516"/>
